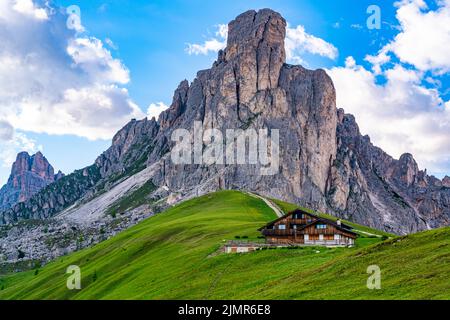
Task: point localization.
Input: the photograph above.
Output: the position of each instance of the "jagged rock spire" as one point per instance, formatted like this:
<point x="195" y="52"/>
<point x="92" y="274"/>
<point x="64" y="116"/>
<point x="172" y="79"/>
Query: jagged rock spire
<point x="29" y="174"/>
<point x="407" y="169"/>
<point x="256" y="49"/>
<point x="446" y="181"/>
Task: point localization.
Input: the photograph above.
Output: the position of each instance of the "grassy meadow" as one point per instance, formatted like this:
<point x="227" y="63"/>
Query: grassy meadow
<point x="174" y="255"/>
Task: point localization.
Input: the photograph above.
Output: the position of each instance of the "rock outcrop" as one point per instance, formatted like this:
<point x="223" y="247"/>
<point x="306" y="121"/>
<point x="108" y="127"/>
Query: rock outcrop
<point x="250" y="87"/>
<point x="29" y="174"/>
<point x="370" y="187"/>
<point x="324" y="161"/>
<point x="446" y="182"/>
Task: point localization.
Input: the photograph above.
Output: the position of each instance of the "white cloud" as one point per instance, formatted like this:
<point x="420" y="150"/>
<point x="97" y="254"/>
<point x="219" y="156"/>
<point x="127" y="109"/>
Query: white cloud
<point x="379" y="59"/>
<point x="400" y="115"/>
<point x="297" y="42"/>
<point x="155" y="109"/>
<point x="111" y="44"/>
<point x="350" y="62"/>
<point x="90" y="55"/>
<point x="222" y="31"/>
<point x="55" y="80"/>
<point x="6" y="131"/>
<point x="88" y="112"/>
<point x="424" y="37"/>
<point x="211" y="45"/>
<point x="28" y="8"/>
<point x="208" y="46"/>
<point x="405" y="112"/>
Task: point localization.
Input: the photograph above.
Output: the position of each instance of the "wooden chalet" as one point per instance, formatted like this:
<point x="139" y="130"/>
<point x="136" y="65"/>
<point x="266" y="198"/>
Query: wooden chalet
<point x="299" y="227"/>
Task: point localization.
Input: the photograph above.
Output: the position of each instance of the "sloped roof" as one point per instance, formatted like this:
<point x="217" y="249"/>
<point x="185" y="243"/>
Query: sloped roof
<point x="343" y="227"/>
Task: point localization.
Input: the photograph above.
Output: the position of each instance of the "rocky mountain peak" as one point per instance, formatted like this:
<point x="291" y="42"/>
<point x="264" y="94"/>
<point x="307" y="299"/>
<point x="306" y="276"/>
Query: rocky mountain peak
<point x="325" y="163"/>
<point x="36" y="164"/>
<point x="446" y="181"/>
<point x="255" y="48"/>
<point x="21" y="164"/>
<point x="59" y="175"/>
<point x="256" y="31"/>
<point x="407" y="169"/>
<point x="178" y="105"/>
<point x="29" y="174"/>
<point x="41" y="166"/>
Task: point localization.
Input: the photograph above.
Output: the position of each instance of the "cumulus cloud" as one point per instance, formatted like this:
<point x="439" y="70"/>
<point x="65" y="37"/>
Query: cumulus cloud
<point x="424" y="37"/>
<point x="28" y="8"/>
<point x="89" y="55"/>
<point x="155" y="109"/>
<point x="298" y="42"/>
<point x="404" y="112"/>
<point x="379" y="59"/>
<point x="214" y="44"/>
<point x="400" y="115"/>
<point x="55" y="80"/>
<point x="6" y="131"/>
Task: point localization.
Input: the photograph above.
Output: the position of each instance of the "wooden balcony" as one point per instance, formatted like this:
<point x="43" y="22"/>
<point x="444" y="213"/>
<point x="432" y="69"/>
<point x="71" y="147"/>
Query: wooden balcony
<point x="276" y="232"/>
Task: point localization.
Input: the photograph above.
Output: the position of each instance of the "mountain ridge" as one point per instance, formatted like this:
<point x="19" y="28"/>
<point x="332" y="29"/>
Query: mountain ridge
<point x="326" y="163"/>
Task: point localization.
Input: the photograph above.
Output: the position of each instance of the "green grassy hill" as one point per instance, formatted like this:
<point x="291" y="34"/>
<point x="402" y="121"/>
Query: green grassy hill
<point x="171" y="256"/>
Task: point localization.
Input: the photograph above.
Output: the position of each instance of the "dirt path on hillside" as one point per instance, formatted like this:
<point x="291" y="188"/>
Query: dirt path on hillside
<point x="271" y="205"/>
<point x="368" y="233"/>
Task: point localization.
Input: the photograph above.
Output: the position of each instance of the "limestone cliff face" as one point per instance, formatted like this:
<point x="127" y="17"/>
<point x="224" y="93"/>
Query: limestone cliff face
<point x="251" y="87"/>
<point x="325" y="163"/>
<point x="370" y="187"/>
<point x="130" y="148"/>
<point x="29" y="174"/>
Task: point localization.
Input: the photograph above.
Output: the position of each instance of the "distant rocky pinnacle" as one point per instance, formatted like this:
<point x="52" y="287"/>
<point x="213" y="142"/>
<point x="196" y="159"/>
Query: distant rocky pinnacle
<point x="29" y="174"/>
<point x="325" y="162"/>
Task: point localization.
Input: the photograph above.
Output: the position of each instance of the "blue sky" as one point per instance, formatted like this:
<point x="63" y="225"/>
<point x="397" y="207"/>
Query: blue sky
<point x="151" y="36"/>
<point x="150" y="39"/>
